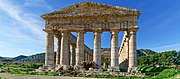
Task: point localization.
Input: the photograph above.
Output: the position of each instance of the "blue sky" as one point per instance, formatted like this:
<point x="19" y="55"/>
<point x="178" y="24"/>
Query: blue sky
<point x="21" y="26"/>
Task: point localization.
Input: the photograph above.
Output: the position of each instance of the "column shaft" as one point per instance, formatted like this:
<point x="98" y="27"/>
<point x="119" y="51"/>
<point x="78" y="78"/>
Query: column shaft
<point x="87" y="56"/>
<point x="49" y="57"/>
<point x="58" y="36"/>
<point x="64" y="49"/>
<point x="97" y="49"/>
<point x="80" y="48"/>
<point x="73" y="55"/>
<point x="84" y="55"/>
<point x="114" y="48"/>
<point x="69" y="54"/>
<point x="132" y="50"/>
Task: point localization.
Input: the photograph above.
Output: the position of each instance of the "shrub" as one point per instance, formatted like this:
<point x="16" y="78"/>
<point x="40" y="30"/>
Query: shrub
<point x="167" y="73"/>
<point x="88" y="64"/>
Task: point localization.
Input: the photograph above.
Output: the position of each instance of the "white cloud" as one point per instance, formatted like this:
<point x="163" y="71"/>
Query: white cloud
<point x="37" y="3"/>
<point x="26" y="20"/>
<point x="167" y="47"/>
<point x="23" y="32"/>
<point x="16" y="14"/>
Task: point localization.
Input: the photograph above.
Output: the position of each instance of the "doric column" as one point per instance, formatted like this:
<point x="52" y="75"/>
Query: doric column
<point x="84" y="55"/>
<point x="114" y="48"/>
<point x="73" y="55"/>
<point x="80" y="48"/>
<point x="97" y="49"/>
<point x="49" y="57"/>
<point x="58" y="36"/>
<point x="69" y="55"/>
<point x="64" y="49"/>
<point x="87" y="56"/>
<point x="91" y="57"/>
<point x="132" y="51"/>
<point x="127" y="44"/>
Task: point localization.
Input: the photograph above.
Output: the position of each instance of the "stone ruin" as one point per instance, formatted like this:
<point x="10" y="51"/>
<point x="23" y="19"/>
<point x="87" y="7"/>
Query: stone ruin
<point x="90" y="17"/>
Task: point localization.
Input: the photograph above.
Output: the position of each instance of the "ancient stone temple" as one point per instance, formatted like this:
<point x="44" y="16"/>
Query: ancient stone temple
<point x="91" y="17"/>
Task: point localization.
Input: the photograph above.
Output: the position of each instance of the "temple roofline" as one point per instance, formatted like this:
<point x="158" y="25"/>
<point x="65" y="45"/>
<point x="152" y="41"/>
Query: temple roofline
<point x="64" y="11"/>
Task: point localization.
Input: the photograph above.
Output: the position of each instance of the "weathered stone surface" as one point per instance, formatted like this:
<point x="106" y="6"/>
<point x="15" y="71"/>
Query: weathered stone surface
<point x="49" y="57"/>
<point x="90" y="17"/>
<point x="58" y="36"/>
<point x="73" y="55"/>
<point x="91" y="69"/>
<point x="64" y="49"/>
<point x="91" y="8"/>
<point x="114" y="49"/>
<point x="59" y="67"/>
<point x="97" y="49"/>
<point x="132" y="52"/>
<point x="80" y="48"/>
<point x="124" y="52"/>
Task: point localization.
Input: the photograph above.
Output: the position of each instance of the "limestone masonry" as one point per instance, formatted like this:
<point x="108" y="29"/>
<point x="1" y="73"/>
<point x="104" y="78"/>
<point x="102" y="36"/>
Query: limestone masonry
<point x="91" y="17"/>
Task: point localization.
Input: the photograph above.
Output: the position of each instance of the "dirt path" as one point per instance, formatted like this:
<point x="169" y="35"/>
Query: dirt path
<point x="10" y="76"/>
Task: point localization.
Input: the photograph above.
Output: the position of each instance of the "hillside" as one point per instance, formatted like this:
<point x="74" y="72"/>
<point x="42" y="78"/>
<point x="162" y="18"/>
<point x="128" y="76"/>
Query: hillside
<point x="162" y="58"/>
<point x="140" y="52"/>
<point x="37" y="58"/>
<point x="1" y="58"/>
<point x="145" y="56"/>
<point x="145" y="52"/>
<point x="19" y="57"/>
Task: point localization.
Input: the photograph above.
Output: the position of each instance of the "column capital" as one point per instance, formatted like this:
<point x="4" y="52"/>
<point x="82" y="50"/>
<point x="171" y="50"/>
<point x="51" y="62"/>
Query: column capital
<point x="58" y="36"/>
<point x="64" y="31"/>
<point x="114" y="31"/>
<point x="132" y="32"/>
<point x="97" y="31"/>
<point x="81" y="32"/>
<point x="134" y="29"/>
<point x="48" y="30"/>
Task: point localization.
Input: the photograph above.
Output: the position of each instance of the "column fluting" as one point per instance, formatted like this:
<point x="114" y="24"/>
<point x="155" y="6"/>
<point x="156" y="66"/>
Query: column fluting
<point x="49" y="57"/>
<point x="97" y="49"/>
<point x="114" y="48"/>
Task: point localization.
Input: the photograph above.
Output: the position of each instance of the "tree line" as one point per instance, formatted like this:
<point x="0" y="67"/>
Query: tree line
<point x="161" y="58"/>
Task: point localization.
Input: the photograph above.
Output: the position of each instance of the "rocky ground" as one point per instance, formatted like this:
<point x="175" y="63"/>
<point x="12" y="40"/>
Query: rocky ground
<point x="10" y="76"/>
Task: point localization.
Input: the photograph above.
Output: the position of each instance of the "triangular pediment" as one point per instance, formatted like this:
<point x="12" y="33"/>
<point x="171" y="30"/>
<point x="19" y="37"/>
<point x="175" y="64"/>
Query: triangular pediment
<point x="91" y="9"/>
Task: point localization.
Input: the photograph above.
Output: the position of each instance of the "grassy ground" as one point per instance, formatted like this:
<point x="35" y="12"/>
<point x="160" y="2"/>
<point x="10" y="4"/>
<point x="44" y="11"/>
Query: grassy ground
<point x="24" y="69"/>
<point x="152" y="68"/>
<point x="163" y="72"/>
<point x="177" y="76"/>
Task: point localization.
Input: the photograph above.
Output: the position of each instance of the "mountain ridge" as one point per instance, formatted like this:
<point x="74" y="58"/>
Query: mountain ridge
<point x="40" y="57"/>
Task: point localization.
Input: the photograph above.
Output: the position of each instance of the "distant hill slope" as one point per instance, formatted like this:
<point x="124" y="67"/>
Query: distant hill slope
<point x="39" y="58"/>
<point x="19" y="57"/>
<point x="145" y="52"/>
<point x="140" y="52"/>
<point x="2" y="58"/>
<point x="162" y="58"/>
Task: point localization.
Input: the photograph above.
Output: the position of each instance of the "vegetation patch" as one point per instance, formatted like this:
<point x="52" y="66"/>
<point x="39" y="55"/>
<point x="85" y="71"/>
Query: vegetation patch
<point x="29" y="69"/>
<point x="162" y="58"/>
<point x="153" y="68"/>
